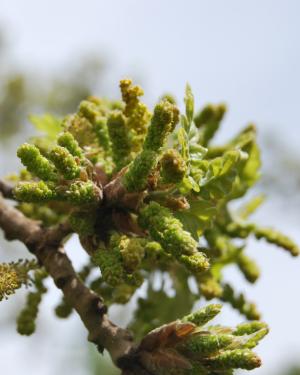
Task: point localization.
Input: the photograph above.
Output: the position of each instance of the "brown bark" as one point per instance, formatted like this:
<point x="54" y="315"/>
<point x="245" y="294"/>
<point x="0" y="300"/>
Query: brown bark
<point x="46" y="245"/>
<point x="6" y="189"/>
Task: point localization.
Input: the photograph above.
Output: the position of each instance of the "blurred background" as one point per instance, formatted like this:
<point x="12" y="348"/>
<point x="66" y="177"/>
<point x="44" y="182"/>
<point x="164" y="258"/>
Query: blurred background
<point x="53" y="54"/>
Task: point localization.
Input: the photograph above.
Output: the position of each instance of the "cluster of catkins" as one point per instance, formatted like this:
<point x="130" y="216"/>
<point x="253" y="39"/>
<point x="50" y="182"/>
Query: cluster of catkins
<point x="189" y="347"/>
<point x="148" y="195"/>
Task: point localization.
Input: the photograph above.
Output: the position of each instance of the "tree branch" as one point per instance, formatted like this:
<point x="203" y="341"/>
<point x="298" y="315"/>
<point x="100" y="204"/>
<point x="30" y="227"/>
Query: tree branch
<point x="6" y="190"/>
<point x="45" y="244"/>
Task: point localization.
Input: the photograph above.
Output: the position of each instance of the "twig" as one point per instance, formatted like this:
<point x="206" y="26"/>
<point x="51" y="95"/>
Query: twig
<point x="6" y="190"/>
<point x="46" y="245"/>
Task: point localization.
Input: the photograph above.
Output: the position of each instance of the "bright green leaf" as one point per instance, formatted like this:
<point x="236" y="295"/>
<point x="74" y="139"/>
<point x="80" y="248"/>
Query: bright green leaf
<point x="47" y="124"/>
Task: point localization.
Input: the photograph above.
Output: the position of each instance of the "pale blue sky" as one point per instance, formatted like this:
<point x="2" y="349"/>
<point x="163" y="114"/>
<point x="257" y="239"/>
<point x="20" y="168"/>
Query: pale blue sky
<point x="245" y="53"/>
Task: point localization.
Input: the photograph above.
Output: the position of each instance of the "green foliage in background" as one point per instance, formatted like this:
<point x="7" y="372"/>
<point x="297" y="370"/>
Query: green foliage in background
<point x="23" y="91"/>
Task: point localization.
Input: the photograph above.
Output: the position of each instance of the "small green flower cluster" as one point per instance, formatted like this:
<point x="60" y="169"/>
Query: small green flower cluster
<point x="136" y="113"/>
<point x="190" y="347"/>
<point x="173" y="167"/>
<point x="163" y="122"/>
<point x="89" y="127"/>
<point x="94" y="111"/>
<point x="239" y="303"/>
<point x="63" y="174"/>
<point x="120" y="141"/>
<point x="48" y="215"/>
<point x="14" y="275"/>
<point x="120" y="259"/>
<point x="248" y="267"/>
<point x="208" y="121"/>
<point x="26" y="319"/>
<point x="83" y="221"/>
<point x="169" y="233"/>
<point x="209" y="286"/>
<point x="274" y="237"/>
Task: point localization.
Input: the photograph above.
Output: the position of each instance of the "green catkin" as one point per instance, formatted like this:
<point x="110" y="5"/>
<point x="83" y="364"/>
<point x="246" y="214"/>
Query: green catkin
<point x="239" y="230"/>
<point x="236" y="359"/>
<point x="35" y="163"/>
<point x="34" y="192"/>
<point x="91" y="110"/>
<point x="63" y="310"/>
<point x="101" y="130"/>
<point x="205" y="116"/>
<point x="119" y="138"/>
<point x="255" y="338"/>
<point x="195" y="263"/>
<point x="136" y="112"/>
<point x="208" y="344"/>
<point x="169" y="97"/>
<point x="162" y="124"/>
<point x="203" y="315"/>
<point x="26" y="319"/>
<point x="132" y="252"/>
<point x="239" y="302"/>
<point x="168" y="231"/>
<point x="13" y="275"/>
<point x="173" y="167"/>
<point x="66" y="157"/>
<point x="65" y="162"/>
<point x="67" y="141"/>
<point x="83" y="222"/>
<point x="242" y="230"/>
<point x="136" y="178"/>
<point x="208" y="120"/>
<point x="277" y="238"/>
<point x="120" y="294"/>
<point x="208" y="350"/>
<point x="255" y="330"/>
<point x="9" y="281"/>
<point x="248" y="328"/>
<point x="248" y="267"/>
<point x="130" y="95"/>
<point x="41" y="212"/>
<point x="219" y="242"/>
<point x="116" y="264"/>
<point x="123" y="293"/>
<point x="209" y="286"/>
<point x="110" y="263"/>
<point x="81" y="129"/>
<point x="154" y="253"/>
<point x="83" y="193"/>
